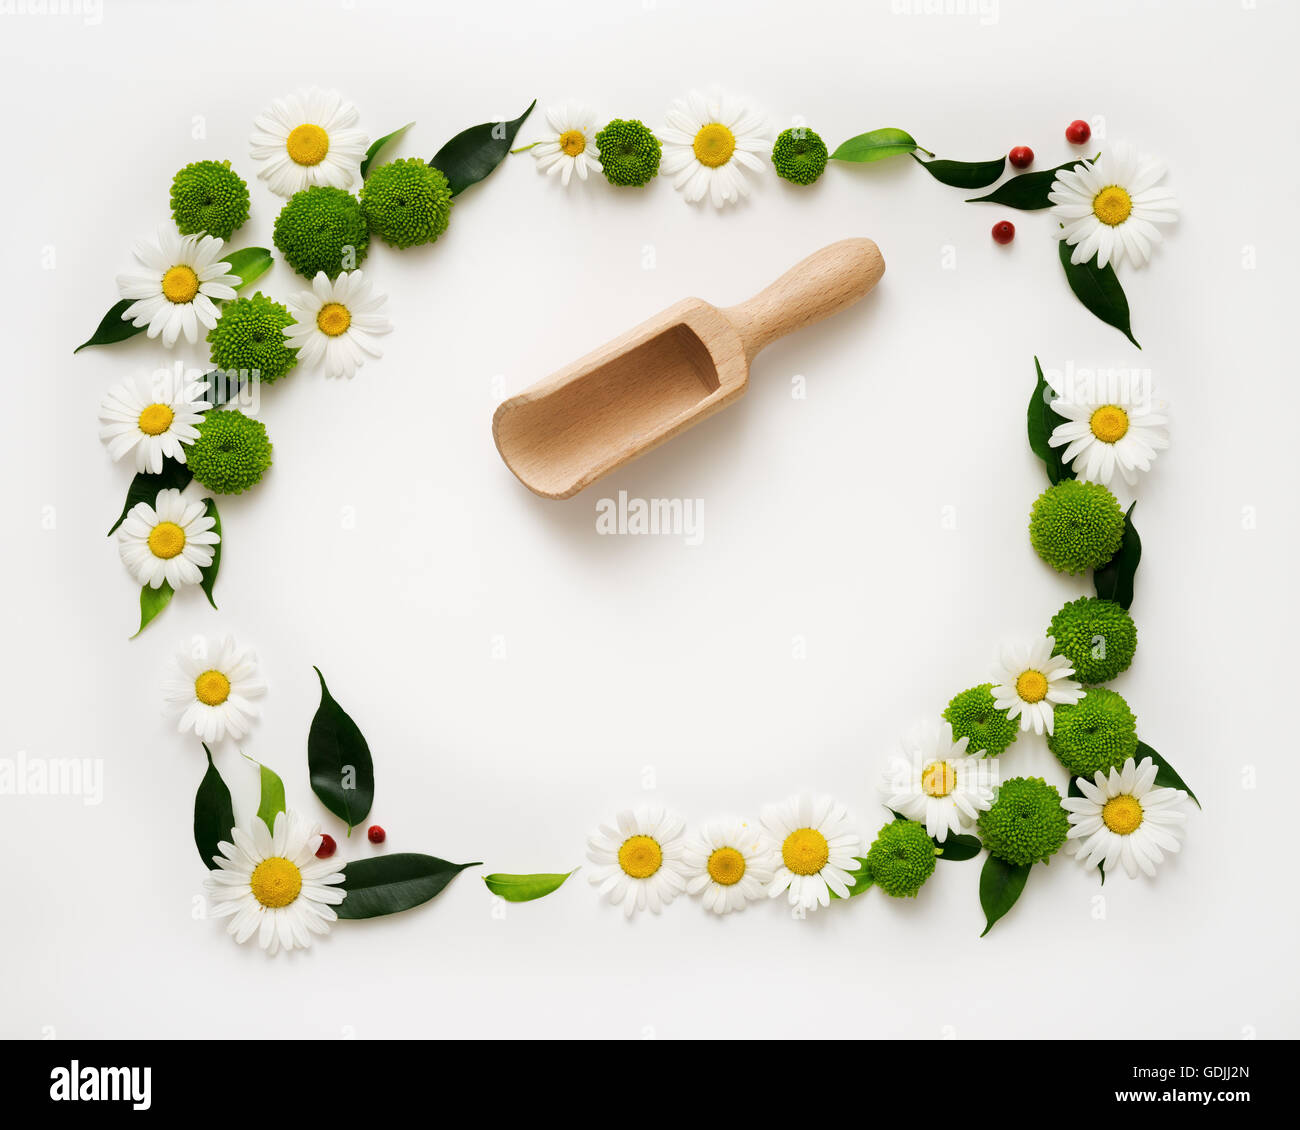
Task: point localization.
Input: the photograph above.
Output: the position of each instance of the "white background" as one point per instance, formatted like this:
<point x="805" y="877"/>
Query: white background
<point x="638" y="660"/>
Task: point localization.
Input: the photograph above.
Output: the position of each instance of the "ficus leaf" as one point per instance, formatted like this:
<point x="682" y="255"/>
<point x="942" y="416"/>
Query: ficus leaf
<point x="248" y="263"/>
<point x="209" y="572"/>
<point x="342" y="774"/>
<point x="863" y="877"/>
<point x="473" y="153"/>
<point x="145" y="487"/>
<point x="377" y="145"/>
<point x="152" y="601"/>
<point x="1099" y="290"/>
<point x="1028" y="191"/>
<point x="525" y="888"/>
<point x="387" y="884"/>
<point x="1000" y="885"/>
<point x="1043" y="420"/>
<point x="271" y="802"/>
<point x="214" y="814"/>
<point x="1114" y="580"/>
<point x="876" y="145"/>
<point x="963" y="174"/>
<point x="1166" y="776"/>
<point x="957" y="848"/>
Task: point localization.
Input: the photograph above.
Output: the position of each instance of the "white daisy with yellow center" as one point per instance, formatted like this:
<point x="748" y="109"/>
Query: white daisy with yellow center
<point x="1110" y="209"/>
<point x="337" y="322"/>
<point x="213" y="691"/>
<point x="176" y="291"/>
<point x="1124" y="818"/>
<point x="170" y="541"/>
<point x="640" y="861"/>
<point x="1111" y="424"/>
<point x="729" y="862"/>
<point x="152" y="417"/>
<point x="571" y="146"/>
<point x="708" y="144"/>
<point x="816" y="845"/>
<point x="1031" y="682"/>
<point x="271" y="885"/>
<point x="308" y="138"/>
<point x="933" y="780"/>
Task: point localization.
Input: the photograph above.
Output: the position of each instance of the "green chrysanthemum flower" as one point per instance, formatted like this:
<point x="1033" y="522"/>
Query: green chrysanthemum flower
<point x="406" y="202"/>
<point x="901" y="859"/>
<point x="1025" y="823"/>
<point x="1076" y="526"/>
<point x="973" y="715"/>
<point x="232" y="452"/>
<point x="249" y="340"/>
<point x="322" y="229"/>
<point x="629" y="152"/>
<point x="1097" y="732"/>
<point x="209" y="196"/>
<point x="1097" y="636"/>
<point x="799" y="156"/>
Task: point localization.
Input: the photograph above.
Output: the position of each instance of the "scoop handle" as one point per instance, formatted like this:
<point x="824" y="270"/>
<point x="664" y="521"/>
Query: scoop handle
<point x="823" y="284"/>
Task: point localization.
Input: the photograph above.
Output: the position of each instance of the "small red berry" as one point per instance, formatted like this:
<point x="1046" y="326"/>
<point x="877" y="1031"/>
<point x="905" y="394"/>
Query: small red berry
<point x="327" y="846"/>
<point x="1021" y="156"/>
<point x="1078" y="132"/>
<point x="1004" y="231"/>
<point x="376" y="834"/>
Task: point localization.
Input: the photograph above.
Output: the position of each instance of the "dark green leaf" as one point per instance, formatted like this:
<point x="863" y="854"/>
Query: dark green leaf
<point x="1114" y="580"/>
<point x="957" y="848"/>
<point x="152" y="601"/>
<point x="145" y="488"/>
<point x="209" y="578"/>
<point x="1000" y="886"/>
<point x="863" y="877"/>
<point x="473" y="153"/>
<point x="249" y="263"/>
<point x="111" y="328"/>
<point x="525" y="888"/>
<point x="214" y="815"/>
<point x="222" y="386"/>
<point x="876" y="145"/>
<point x="389" y="883"/>
<point x="1028" y="191"/>
<point x="1099" y="290"/>
<point x="1043" y="419"/>
<point x="342" y="774"/>
<point x="272" y="796"/>
<point x="1166" y="776"/>
<point x="376" y="146"/>
<point x="963" y="174"/>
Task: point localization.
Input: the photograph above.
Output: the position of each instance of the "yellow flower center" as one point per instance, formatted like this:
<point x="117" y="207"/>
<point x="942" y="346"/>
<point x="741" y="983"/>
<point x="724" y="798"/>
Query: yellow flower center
<point x="805" y="851"/>
<point x="1109" y="423"/>
<point x="212" y="688"/>
<point x="939" y="779"/>
<point x="180" y="284"/>
<point x="640" y="857"/>
<point x="1112" y="205"/>
<point x="307" y="145"/>
<point x="275" y="882"/>
<point x="726" y="866"/>
<point x="333" y="319"/>
<point x="714" y="145"/>
<point x="155" y="419"/>
<point x="166" y="539"/>
<point x="572" y="142"/>
<point x="1032" y="686"/>
<point x="1122" y="815"/>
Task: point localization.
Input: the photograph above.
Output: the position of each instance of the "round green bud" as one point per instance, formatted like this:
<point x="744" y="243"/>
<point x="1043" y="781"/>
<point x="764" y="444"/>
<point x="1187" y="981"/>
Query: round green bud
<point x="248" y="339"/>
<point x="799" y="155"/>
<point x="1026" y="822"/>
<point x="322" y="229"/>
<point x="629" y="152"/>
<point x="1097" y="636"/>
<point x="973" y="715"/>
<point x="1097" y="732"/>
<point x="232" y="452"/>
<point x="901" y="859"/>
<point x="406" y="202"/>
<point x="209" y="196"/>
<point x="1076" y="526"/>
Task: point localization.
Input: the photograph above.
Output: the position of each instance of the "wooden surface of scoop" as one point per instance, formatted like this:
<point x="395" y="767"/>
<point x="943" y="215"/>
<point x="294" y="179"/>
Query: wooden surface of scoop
<point x="670" y="372"/>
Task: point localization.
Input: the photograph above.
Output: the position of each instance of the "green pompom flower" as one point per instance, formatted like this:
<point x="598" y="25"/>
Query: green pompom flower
<point x="901" y="859"/>
<point x="1025" y="823"/>
<point x="406" y="202"/>
<point x="248" y="339"/>
<point x="1097" y="636"/>
<point x="629" y="152"/>
<point x="322" y="229"/>
<point x="209" y="196"/>
<point x="799" y="156"/>
<point x="973" y="715"/>
<point x="232" y="452"/>
<point x="1097" y="732"/>
<point x="1076" y="526"/>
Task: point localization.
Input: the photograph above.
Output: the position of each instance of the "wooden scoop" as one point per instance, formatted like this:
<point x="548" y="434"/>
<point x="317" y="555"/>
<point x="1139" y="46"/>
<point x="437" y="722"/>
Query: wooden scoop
<point x="643" y="388"/>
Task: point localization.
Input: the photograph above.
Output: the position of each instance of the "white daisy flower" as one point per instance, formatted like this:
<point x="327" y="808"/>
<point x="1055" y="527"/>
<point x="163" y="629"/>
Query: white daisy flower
<point x="1111" y="423"/>
<point x="1030" y="683"/>
<point x="817" y="847"/>
<point x="572" y="145"/>
<point x="271" y="884"/>
<point x="308" y="138"/>
<point x="1110" y="209"/>
<point x="933" y="781"/>
<point x="337" y="322"/>
<point x="730" y="863"/>
<point x="708" y="144"/>
<point x="212" y="695"/>
<point x="639" y="863"/>
<point x="1122" y="819"/>
<point x="169" y="541"/>
<point x="175" y="292"/>
<point x="152" y="416"/>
